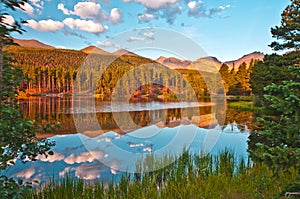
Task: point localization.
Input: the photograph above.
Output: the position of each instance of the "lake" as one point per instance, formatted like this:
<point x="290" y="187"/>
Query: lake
<point x="100" y="140"/>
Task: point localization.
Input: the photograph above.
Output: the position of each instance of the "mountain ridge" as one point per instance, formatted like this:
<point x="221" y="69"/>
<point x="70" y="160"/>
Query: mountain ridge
<point x="210" y="61"/>
<point x="32" y="43"/>
<point x="171" y="62"/>
<point x="246" y="58"/>
<point x="125" y="52"/>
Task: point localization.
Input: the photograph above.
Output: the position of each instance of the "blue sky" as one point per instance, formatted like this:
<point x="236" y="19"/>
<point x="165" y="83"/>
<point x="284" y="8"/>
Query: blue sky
<point x="226" y="29"/>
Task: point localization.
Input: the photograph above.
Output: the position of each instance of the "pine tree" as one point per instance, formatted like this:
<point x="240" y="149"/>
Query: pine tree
<point x="280" y="148"/>
<point x="224" y="72"/>
<point x="289" y="30"/>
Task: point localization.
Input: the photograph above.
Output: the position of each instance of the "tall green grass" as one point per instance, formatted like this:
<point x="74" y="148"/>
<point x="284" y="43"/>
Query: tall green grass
<point x="190" y="176"/>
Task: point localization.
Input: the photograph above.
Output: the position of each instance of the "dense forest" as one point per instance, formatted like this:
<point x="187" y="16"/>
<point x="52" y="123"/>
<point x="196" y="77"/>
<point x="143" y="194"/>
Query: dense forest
<point x="59" y="71"/>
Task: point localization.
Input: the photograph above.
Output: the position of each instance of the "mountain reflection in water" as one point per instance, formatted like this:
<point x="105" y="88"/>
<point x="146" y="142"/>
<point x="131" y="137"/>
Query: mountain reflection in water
<point x="84" y="110"/>
<point x="100" y="154"/>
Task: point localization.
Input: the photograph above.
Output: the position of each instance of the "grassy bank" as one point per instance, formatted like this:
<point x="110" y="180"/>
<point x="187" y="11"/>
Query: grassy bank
<point x="189" y="177"/>
<point x="243" y="105"/>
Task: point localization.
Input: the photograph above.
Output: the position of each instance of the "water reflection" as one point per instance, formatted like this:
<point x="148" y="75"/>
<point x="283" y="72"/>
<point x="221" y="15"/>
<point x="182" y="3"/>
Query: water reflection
<point x="98" y="154"/>
<point x="72" y="157"/>
<point x="62" y="110"/>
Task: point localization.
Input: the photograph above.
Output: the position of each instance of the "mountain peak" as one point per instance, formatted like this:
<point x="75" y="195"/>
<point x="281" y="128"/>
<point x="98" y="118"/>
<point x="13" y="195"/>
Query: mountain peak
<point x="246" y="58"/>
<point x="32" y="43"/>
<point x="124" y="52"/>
<point x="94" y="49"/>
<point x="208" y="63"/>
<point x="210" y="59"/>
<point x="173" y="62"/>
<point x="160" y="59"/>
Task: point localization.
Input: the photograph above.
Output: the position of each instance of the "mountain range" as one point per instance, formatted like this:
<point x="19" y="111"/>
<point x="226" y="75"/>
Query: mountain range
<point x="171" y="62"/>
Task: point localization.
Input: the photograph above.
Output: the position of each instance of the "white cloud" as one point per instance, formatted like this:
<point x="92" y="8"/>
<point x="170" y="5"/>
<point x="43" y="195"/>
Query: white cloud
<point x="115" y="16"/>
<point x="153" y="4"/>
<point x="85" y="25"/>
<point x="63" y="9"/>
<point x="52" y="158"/>
<point x="8" y="20"/>
<point x="170" y="9"/>
<point x="92" y="10"/>
<point x="88" y="172"/>
<point x="45" y="25"/>
<point x="28" y="9"/>
<point x="166" y="9"/>
<point x="88" y="10"/>
<point x="65" y="171"/>
<point x="224" y="7"/>
<point x="135" y="39"/>
<point x="84" y="157"/>
<point x="146" y="17"/>
<point x="37" y="3"/>
<point x="198" y="9"/>
<point x="105" y="44"/>
<point x="113" y="171"/>
<point x="192" y="5"/>
<point x="149" y="35"/>
<point x="27" y="173"/>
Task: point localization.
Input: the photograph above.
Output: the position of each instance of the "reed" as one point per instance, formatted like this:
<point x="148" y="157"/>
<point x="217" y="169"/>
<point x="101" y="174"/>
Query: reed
<point x="190" y="176"/>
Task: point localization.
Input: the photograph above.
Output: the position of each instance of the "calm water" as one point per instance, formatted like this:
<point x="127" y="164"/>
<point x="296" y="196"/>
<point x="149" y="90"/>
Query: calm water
<point x="98" y="140"/>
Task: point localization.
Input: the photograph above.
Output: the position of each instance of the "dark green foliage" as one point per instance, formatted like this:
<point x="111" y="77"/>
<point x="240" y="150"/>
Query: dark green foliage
<point x="277" y="80"/>
<point x="278" y="143"/>
<point x="17" y="135"/>
<point x="6" y="29"/>
<point x="274" y="69"/>
<point x="281" y="148"/>
<point x="288" y="33"/>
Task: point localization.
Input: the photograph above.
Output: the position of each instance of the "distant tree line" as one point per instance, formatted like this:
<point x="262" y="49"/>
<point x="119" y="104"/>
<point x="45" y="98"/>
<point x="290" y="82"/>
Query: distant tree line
<point x="67" y="71"/>
<point x="237" y="81"/>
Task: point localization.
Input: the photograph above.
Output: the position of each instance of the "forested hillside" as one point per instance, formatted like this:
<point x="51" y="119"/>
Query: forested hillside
<point x="54" y="71"/>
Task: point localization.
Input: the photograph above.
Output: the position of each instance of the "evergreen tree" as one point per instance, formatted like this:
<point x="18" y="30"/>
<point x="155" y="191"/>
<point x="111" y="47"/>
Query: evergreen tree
<point x="274" y="69"/>
<point x="280" y="148"/>
<point x="242" y="80"/>
<point x="224" y="72"/>
<point x="289" y="31"/>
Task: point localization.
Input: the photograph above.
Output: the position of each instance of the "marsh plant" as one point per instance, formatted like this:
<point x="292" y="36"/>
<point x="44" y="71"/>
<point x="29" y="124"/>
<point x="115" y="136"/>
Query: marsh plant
<point x="190" y="176"/>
